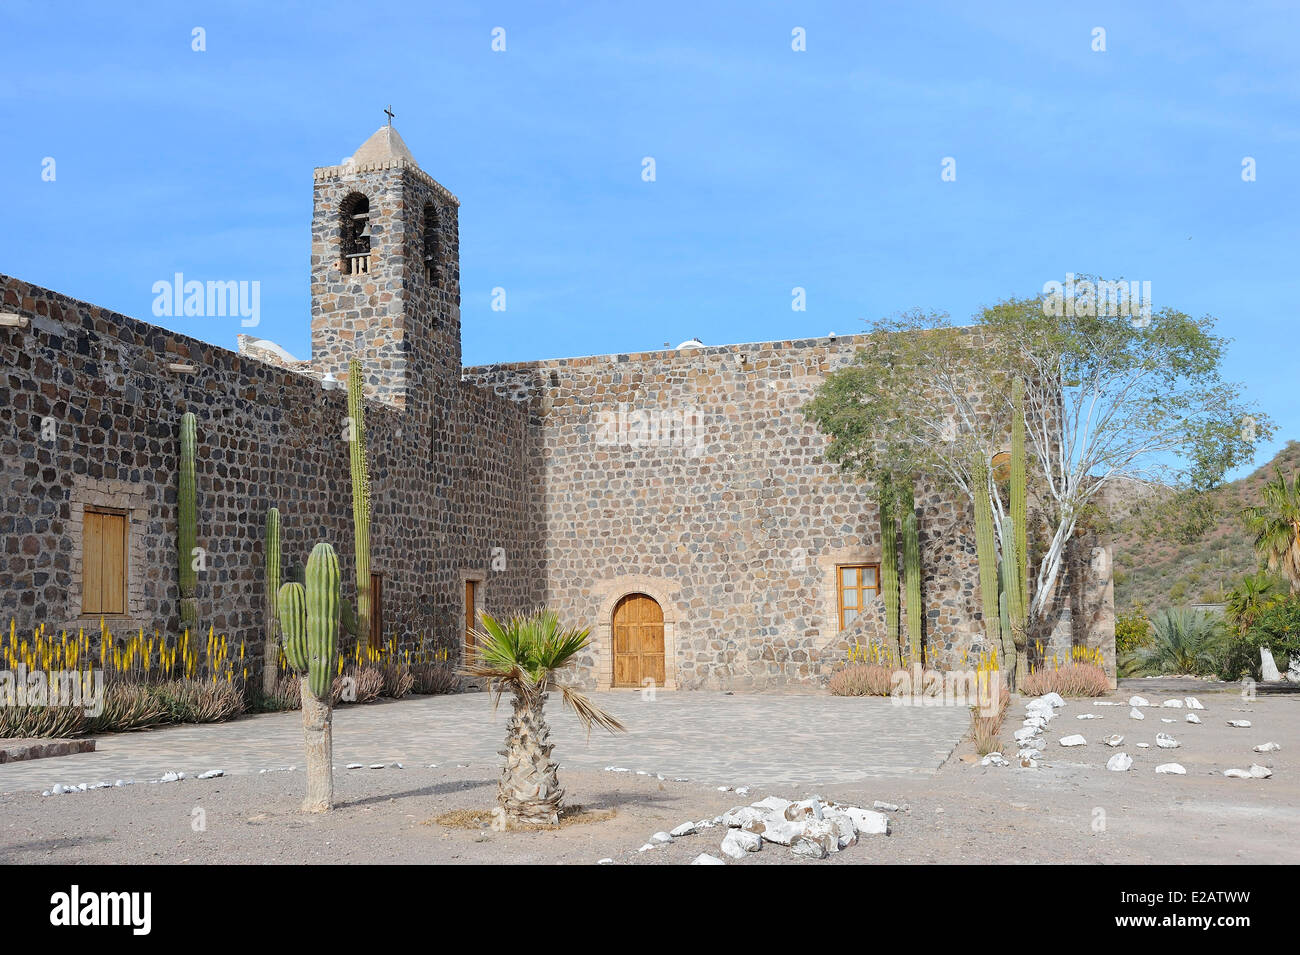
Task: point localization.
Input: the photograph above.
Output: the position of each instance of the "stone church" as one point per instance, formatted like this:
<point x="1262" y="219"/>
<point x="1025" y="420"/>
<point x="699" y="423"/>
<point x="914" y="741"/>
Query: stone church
<point x="674" y="501"/>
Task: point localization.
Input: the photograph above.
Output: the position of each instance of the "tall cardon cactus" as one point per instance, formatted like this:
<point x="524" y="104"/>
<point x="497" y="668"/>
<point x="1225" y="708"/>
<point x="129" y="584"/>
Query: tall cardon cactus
<point x="272" y="612"/>
<point x="1020" y="519"/>
<point x="912" y="574"/>
<point x="186" y="522"/>
<point x="889" y="562"/>
<point x="309" y="620"/>
<point x="986" y="551"/>
<point x="360" y="494"/>
<point x="1015" y="602"/>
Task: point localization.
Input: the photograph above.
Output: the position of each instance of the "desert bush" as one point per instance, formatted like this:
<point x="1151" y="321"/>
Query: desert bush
<point x="128" y="706"/>
<point x="987" y="728"/>
<point x="1183" y="641"/>
<point x="863" y="679"/>
<point x="1073" y="679"/>
<point x="1132" y="630"/>
<point x="398" y="680"/>
<point x="199" y="701"/>
<point x="287" y="695"/>
<point x="18" y="722"/>
<point x="434" y="678"/>
<point x="367" y="686"/>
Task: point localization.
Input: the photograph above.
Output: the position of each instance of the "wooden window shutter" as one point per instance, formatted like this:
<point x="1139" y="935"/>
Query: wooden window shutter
<point x="103" y="588"/>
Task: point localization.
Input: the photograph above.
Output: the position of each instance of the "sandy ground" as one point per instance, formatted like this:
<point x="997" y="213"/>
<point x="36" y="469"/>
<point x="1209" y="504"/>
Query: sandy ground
<point x="1069" y="810"/>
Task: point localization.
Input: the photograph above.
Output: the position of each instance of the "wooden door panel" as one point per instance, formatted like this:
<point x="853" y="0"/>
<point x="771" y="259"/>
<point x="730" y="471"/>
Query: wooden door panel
<point x="638" y="631"/>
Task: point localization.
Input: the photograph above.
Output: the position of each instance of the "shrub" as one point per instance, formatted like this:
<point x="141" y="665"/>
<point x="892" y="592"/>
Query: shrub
<point x="287" y="695"/>
<point x="1183" y="641"/>
<point x="1132" y="631"/>
<point x="367" y="686"/>
<point x="199" y="701"/>
<point x="18" y="722"/>
<point x="986" y="729"/>
<point x="434" y="678"/>
<point x="128" y="706"/>
<point x="1073" y="679"/>
<point x="397" y="679"/>
<point x="864" y="679"/>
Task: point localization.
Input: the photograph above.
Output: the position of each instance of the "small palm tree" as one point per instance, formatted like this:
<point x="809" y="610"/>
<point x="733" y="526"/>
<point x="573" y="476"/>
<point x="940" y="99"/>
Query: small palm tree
<point x="522" y="655"/>
<point x="1276" y="526"/>
<point x="1248" y="600"/>
<point x="1182" y="641"/>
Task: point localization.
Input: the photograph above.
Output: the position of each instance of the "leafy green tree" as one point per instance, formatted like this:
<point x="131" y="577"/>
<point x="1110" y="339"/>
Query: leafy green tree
<point x="1106" y="397"/>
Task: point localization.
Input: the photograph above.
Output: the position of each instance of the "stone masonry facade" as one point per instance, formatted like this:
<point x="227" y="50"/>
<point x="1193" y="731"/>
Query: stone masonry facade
<point x="687" y="475"/>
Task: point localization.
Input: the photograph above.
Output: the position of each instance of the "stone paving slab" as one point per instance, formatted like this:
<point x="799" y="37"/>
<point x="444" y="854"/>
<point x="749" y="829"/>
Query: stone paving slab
<point x="747" y="739"/>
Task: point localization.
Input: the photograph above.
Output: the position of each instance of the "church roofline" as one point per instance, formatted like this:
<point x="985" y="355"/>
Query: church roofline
<point x="321" y="173"/>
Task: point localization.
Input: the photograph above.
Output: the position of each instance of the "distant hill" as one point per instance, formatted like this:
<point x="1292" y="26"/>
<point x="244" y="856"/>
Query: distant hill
<point x="1161" y="573"/>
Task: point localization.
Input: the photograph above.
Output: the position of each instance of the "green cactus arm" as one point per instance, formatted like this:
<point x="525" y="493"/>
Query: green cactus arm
<point x="323" y="601"/>
<point x="186" y="520"/>
<point x="889" y="563"/>
<point x="292" y="605"/>
<point x="912" y="574"/>
<point x="986" y="552"/>
<point x="272" y="564"/>
<point x="360" y="472"/>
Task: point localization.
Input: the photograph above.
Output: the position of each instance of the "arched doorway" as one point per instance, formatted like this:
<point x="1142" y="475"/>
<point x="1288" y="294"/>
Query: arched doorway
<point x="638" y="631"/>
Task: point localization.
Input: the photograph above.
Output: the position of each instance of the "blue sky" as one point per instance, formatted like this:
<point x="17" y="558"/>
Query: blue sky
<point x="775" y="168"/>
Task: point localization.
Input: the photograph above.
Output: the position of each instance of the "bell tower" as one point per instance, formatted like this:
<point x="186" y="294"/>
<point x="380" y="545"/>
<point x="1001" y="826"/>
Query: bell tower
<point x="385" y="271"/>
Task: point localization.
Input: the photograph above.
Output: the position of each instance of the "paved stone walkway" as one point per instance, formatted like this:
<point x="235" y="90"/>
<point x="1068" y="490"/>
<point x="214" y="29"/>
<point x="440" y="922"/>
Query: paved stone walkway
<point x="746" y="739"/>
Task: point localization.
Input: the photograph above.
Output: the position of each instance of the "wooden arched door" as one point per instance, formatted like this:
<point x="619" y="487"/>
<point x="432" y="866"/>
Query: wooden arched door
<point x="638" y="641"/>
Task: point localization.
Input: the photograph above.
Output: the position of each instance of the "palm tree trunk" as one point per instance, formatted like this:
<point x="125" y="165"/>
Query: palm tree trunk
<point x="317" y="728"/>
<point x="529" y="790"/>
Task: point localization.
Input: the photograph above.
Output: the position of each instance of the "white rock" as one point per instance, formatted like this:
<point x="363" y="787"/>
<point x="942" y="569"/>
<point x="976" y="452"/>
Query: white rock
<point x="1086" y="716"/>
<point x="1136" y="714"/>
<point x="816" y="840"/>
<point x="1267" y="748"/>
<point x="1165" y="741"/>
<point x="1236" y="774"/>
<point x="1193" y="703"/>
<point x="1171" y="769"/>
<point x="869" y="823"/>
<point x="685" y="829"/>
<point x="1022" y="735"/>
<point x="212" y="774"/>
<point x="724" y="789"/>
<point x="1176" y="704"/>
<point x="804" y="809"/>
<point x="737" y="842"/>
<point x="772" y="803"/>
<point x="355" y="766"/>
<point x="705" y="859"/>
<point x="705" y="824"/>
<point x="1193" y="718"/>
<point x="1143" y="745"/>
<point x="377" y="765"/>
<point x="1163" y="720"/>
<point x="58" y="789"/>
<point x="780" y="831"/>
<point x="1028" y="753"/>
<point x="994" y="759"/>
<point x="1244" y="724"/>
<point x="846" y="830"/>
<point x="1113" y="740"/>
<point x="645" y="848"/>
<point x="1029" y="763"/>
<point x="1136" y="701"/>
<point x="662" y="838"/>
<point x="642" y="772"/>
<point x="1106" y="703"/>
<point x="886" y="806"/>
<point x="1053" y="698"/>
<point x="1260" y="772"/>
<point x="737" y="817"/>
<point x="742" y="790"/>
<point x="604" y="862"/>
<point x="1075" y="740"/>
<point x="1120" y="763"/>
<point x="171" y="777"/>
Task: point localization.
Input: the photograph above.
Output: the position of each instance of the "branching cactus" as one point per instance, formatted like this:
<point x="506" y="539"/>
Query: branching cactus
<point x="912" y="575"/>
<point x="272" y="599"/>
<point x="309" y="621"/>
<point x="889" y="562"/>
<point x="360" y="494"/>
<point x="186" y="529"/>
<point x="1016" y="611"/>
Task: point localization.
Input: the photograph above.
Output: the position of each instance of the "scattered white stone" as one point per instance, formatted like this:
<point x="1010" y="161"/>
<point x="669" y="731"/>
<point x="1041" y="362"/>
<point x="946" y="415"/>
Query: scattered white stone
<point x="642" y="772"/>
<point x="705" y="824"/>
<point x="1054" y="699"/>
<point x="869" y="823"/>
<point x="738" y="841"/>
<point x="1106" y="703"/>
<point x="774" y="803"/>
<point x="1075" y="740"/>
<point x="1267" y="748"/>
<point x="1086" y="716"/>
<point x="804" y="809"/>
<point x="1144" y="745"/>
<point x="1136" y="701"/>
<point x="886" y="806"/>
<point x="645" y="848"/>
<point x="994" y="759"/>
<point x="1260" y="772"/>
<point x="210" y="774"/>
<point x="1120" y="763"/>
<point x="376" y="765"/>
<point x="742" y="790"/>
<point x="355" y="766"/>
<point x="396" y="766"/>
<point x="1236" y="774"/>
<point x="58" y="789"/>
<point x="617" y="769"/>
<point x="705" y="859"/>
<point x="780" y="831"/>
<point x="604" y="862"/>
<point x="1243" y="724"/>
<point x="1165" y="741"/>
<point x="1022" y="735"/>
<point x="1193" y="703"/>
<point x="662" y="838"/>
<point x="1193" y="718"/>
<point x="120" y="783"/>
<point x="816" y="840"/>
<point x="740" y="815"/>
<point x="846" y="830"/>
<point x="1028" y="753"/>
<point x="1176" y="704"/>
<point x="685" y="829"/>
<point x="1136" y="714"/>
<point x="171" y="777"/>
<point x="1113" y="740"/>
<point x="1171" y="769"/>
<point x="724" y="789"/>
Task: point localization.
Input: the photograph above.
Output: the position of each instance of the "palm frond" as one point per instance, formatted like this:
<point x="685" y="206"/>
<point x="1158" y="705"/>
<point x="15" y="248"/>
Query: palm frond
<point x="587" y="711"/>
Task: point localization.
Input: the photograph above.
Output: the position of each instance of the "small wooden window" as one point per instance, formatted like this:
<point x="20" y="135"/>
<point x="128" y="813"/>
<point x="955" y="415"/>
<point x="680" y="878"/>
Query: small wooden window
<point x="857" y="585"/>
<point x="376" y="610"/>
<point x="471" y="615"/>
<point x="103" y="562"/>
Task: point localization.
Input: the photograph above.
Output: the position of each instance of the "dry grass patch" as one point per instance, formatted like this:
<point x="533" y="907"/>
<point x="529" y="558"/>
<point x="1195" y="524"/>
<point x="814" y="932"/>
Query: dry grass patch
<point x="575" y="815"/>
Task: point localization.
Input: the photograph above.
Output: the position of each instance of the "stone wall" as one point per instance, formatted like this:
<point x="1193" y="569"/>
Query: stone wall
<point x="447" y="471"/>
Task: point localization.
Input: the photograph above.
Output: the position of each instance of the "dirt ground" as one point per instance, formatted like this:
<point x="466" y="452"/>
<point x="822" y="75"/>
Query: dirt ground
<point x="1069" y="810"/>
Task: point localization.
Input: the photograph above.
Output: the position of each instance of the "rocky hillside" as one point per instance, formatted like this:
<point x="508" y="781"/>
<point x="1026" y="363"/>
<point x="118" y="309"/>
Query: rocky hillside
<point x="1160" y="573"/>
